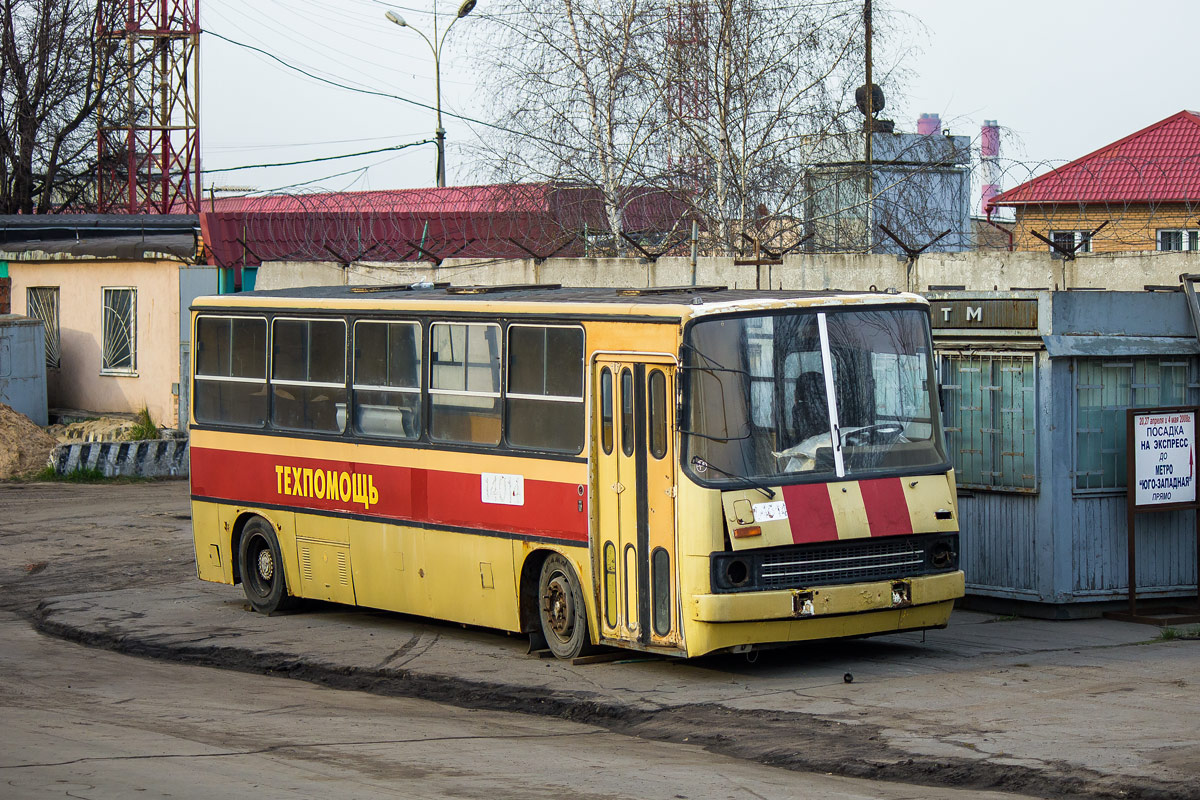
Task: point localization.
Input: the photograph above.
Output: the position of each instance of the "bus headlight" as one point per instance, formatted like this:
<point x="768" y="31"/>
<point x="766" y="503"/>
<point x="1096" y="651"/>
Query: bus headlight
<point x="737" y="572"/>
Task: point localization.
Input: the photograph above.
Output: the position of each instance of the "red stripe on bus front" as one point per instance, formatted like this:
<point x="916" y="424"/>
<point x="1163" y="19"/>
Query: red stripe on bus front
<point x="810" y="513"/>
<point x="887" y="508"/>
<point x="432" y="497"/>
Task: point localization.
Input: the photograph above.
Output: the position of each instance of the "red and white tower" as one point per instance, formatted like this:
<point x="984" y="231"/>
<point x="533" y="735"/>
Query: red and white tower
<point x="148" y="137"/>
<point x="989" y="154"/>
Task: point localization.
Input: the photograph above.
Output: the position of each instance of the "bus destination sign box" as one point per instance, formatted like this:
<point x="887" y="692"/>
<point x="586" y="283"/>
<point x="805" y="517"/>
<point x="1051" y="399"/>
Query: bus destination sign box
<point x="1164" y="458"/>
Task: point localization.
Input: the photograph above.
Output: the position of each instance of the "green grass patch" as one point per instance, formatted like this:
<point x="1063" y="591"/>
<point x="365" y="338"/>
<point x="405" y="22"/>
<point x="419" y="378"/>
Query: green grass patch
<point x="1167" y="634"/>
<point x="51" y="475"/>
<point x="143" y="427"/>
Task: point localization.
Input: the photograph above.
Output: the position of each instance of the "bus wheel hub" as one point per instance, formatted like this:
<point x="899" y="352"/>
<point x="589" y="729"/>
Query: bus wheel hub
<point x="560" y="607"/>
<point x="266" y="565"/>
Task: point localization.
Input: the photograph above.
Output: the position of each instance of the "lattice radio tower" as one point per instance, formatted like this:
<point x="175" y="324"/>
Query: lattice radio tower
<point x="688" y="94"/>
<point x="148" y="135"/>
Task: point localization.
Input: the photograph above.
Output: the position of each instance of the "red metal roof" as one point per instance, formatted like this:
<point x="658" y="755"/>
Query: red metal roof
<point x="1158" y="164"/>
<point x="495" y="221"/>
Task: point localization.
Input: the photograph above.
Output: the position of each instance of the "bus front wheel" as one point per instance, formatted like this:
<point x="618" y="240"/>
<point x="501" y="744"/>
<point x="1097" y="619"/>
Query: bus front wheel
<point x="560" y="603"/>
<point x="262" y="568"/>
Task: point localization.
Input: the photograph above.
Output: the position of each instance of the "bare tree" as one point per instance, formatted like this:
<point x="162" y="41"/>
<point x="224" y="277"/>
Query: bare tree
<point x="53" y="71"/>
<point x="723" y="104"/>
<point x="573" y="85"/>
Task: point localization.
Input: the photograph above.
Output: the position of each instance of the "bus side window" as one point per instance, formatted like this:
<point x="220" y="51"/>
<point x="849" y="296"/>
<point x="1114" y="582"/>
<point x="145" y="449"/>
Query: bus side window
<point x="606" y="411"/>
<point x="231" y="371"/>
<point x="545" y="388"/>
<point x="308" y="374"/>
<point x="387" y="379"/>
<point x="464" y="382"/>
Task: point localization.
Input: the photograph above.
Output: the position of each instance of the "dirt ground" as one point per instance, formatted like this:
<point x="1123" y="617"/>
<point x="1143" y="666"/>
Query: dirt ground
<point x="1040" y="719"/>
<point x="24" y="447"/>
<point x="55" y="549"/>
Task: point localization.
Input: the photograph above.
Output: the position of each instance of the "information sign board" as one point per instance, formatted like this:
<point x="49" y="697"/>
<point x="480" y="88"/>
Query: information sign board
<point x="1163" y="444"/>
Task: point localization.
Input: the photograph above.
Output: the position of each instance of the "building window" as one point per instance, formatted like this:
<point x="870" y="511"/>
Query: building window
<point x="1067" y="240"/>
<point x="387" y="379"/>
<point x="1178" y="240"/>
<point x="119" y="331"/>
<point x="990" y="404"/>
<point x="231" y="370"/>
<point x="464" y="382"/>
<point x="308" y="374"/>
<point x="41" y="302"/>
<point x="1104" y="390"/>
<point x="545" y="388"/>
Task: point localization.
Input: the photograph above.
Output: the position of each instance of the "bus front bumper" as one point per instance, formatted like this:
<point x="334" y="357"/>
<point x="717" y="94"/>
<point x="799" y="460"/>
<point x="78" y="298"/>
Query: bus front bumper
<point x="829" y="601"/>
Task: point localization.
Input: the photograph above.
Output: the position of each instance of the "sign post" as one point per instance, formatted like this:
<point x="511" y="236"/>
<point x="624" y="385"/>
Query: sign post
<point x="1161" y="455"/>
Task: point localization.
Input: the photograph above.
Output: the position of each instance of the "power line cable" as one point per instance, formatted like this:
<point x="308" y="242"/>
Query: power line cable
<point x="375" y="93"/>
<point x="322" y="158"/>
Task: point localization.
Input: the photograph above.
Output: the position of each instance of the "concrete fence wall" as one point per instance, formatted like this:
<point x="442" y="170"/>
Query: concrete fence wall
<point x="149" y="458"/>
<point x="974" y="271"/>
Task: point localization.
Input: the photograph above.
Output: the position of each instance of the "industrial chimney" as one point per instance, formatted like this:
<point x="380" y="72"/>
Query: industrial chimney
<point x="989" y="153"/>
<point x="929" y="124"/>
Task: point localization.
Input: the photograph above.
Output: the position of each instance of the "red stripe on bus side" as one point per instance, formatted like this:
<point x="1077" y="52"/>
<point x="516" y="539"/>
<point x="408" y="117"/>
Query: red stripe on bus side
<point x="887" y="508"/>
<point x="403" y="493"/>
<point x="810" y="513"/>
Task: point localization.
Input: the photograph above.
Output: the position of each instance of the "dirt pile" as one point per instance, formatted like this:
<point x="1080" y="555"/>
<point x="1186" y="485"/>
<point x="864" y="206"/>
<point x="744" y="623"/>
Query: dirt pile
<point x="24" y="447"/>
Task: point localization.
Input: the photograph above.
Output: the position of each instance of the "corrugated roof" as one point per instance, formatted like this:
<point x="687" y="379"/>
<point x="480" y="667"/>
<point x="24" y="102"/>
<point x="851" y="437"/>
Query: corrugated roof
<point x="1158" y="164"/>
<point x="495" y="221"/>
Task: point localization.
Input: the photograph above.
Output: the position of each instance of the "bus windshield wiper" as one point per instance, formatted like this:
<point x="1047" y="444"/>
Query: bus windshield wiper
<point x="703" y="466"/>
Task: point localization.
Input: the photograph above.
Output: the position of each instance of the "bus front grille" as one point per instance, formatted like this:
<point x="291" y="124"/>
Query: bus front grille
<point x="832" y="563"/>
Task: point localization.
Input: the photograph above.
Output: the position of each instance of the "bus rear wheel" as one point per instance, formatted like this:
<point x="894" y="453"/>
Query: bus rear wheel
<point x="560" y="604"/>
<point x="262" y="568"/>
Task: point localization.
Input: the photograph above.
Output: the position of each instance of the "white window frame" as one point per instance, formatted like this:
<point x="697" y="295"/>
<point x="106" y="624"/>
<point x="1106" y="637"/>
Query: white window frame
<point x="52" y="326"/>
<point x="130" y="370"/>
<point x="1076" y="238"/>
<point x="1189" y="239"/>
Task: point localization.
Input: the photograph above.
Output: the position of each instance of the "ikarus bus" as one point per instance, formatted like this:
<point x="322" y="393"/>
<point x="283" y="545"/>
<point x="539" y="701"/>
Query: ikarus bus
<point x="679" y="470"/>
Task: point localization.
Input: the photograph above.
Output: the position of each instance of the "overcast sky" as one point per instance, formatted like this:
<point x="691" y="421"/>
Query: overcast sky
<point x="1062" y="77"/>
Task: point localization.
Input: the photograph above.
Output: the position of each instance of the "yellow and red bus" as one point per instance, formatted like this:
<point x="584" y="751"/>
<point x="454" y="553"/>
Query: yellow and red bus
<point x="675" y="470"/>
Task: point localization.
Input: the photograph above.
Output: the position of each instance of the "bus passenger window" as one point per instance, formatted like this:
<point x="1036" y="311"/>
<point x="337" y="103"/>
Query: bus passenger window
<point x="464" y="382"/>
<point x="606" y="411"/>
<point x="545" y="388"/>
<point x="387" y="379"/>
<point x="231" y="371"/>
<point x="627" y="412"/>
<point x="308" y="374"/>
<point x="658" y="414"/>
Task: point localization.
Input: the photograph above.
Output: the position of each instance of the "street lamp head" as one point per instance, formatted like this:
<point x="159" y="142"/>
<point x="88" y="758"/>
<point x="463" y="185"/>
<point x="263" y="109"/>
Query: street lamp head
<point x="466" y="8"/>
<point x="399" y="20"/>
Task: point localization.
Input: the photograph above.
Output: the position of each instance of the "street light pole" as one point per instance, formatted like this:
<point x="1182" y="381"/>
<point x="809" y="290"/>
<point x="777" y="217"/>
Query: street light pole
<point x="435" y="45"/>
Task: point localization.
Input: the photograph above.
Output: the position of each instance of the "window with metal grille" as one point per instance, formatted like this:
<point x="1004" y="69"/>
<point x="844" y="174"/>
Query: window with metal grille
<point x="1069" y="239"/>
<point x="1104" y="390"/>
<point x="41" y="302"/>
<point x="990" y="403"/>
<point x="119" y="330"/>
<point x="1178" y="240"/>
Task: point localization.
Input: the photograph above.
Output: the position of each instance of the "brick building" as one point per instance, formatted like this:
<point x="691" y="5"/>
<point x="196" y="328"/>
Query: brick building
<point x="1140" y="193"/>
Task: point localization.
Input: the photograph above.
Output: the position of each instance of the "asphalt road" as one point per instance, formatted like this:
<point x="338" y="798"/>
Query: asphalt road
<point x="88" y="723"/>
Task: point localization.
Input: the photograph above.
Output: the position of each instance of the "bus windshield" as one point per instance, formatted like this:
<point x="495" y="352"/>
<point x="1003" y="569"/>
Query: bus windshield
<point x="804" y="395"/>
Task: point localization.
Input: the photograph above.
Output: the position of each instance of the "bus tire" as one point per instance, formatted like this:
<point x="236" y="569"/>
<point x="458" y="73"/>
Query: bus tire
<point x="262" y="568"/>
<point x="561" y="609"/>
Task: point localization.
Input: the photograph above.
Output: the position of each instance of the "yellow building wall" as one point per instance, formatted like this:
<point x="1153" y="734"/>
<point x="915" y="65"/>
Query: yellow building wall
<point x="1132" y="228"/>
<point x="78" y="383"/>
